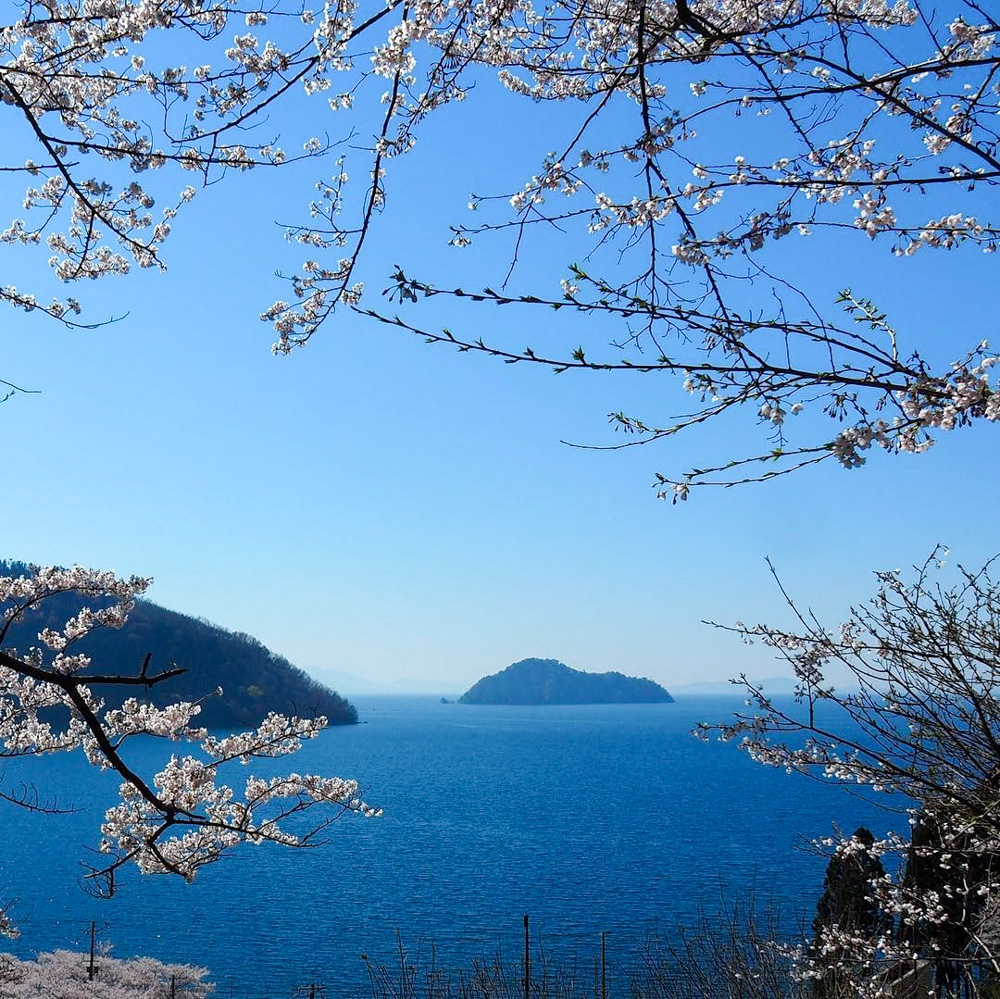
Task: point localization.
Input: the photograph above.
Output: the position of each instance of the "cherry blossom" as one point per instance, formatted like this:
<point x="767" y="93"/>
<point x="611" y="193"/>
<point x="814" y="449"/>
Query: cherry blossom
<point x="186" y="816"/>
<point x="683" y="212"/>
<point x="916" y="728"/>
<point x="67" y="975"/>
<point x="910" y="101"/>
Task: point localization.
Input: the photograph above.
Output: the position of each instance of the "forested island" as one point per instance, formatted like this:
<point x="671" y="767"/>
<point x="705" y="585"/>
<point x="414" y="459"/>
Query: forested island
<point x="254" y="680"/>
<point x="548" y="681"/>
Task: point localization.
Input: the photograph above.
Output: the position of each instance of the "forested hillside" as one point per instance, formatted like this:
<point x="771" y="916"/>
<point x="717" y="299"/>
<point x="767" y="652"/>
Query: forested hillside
<point x="253" y="679"/>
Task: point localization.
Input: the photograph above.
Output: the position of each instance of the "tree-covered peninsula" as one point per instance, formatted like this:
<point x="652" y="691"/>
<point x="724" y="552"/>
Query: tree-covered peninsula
<point x="254" y="681"/>
<point x="548" y="681"/>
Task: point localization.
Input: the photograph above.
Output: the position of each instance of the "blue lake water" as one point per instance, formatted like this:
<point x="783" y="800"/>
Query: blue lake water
<point x="588" y="818"/>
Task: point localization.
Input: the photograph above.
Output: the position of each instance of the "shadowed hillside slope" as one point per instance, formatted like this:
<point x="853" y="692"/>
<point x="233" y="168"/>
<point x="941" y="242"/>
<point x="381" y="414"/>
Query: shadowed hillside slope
<point x="254" y="680"/>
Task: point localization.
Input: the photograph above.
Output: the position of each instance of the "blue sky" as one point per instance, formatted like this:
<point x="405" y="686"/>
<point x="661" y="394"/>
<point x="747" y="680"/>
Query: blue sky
<point x="378" y="506"/>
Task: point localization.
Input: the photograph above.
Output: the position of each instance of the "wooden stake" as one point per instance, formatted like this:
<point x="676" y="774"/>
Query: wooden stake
<point x="91" y="969"/>
<point x="604" y="966"/>
<point x="527" y="960"/>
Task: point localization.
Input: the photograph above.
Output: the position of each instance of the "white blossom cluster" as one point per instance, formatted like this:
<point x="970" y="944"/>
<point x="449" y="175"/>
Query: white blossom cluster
<point x="67" y="975"/>
<point x="186" y="816"/>
<point x="106" y="105"/>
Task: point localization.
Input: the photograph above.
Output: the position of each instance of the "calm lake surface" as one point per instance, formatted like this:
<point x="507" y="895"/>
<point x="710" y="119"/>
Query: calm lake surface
<point x="589" y="818"/>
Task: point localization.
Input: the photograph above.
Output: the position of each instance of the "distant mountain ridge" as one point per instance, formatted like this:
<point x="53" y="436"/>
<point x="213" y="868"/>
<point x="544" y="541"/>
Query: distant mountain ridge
<point x="548" y="681"/>
<point x="771" y="685"/>
<point x="254" y="680"/>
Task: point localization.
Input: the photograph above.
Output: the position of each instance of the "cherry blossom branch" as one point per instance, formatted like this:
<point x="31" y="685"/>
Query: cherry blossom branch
<point x="918" y="725"/>
<point x="185" y="817"/>
<point x="840" y="75"/>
